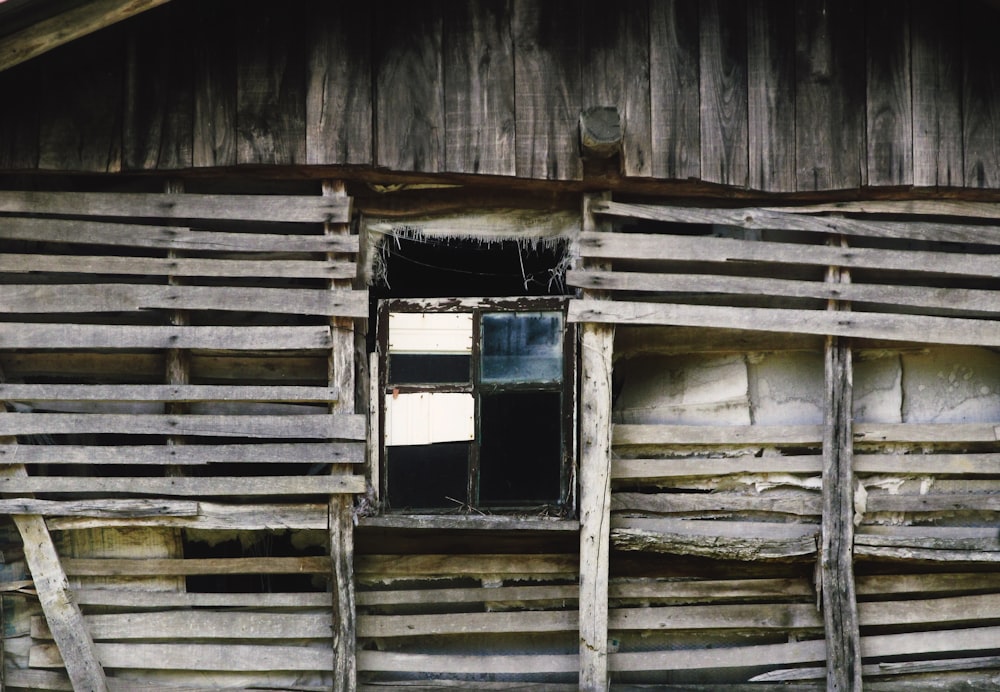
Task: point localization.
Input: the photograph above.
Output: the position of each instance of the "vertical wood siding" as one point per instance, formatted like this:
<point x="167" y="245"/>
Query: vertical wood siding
<point x="772" y="96"/>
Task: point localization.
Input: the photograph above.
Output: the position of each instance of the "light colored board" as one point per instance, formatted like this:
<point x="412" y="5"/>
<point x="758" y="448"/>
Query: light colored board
<point x="937" y="464"/>
<point x="732" y="435"/>
<point x="934" y="555"/>
<point x="291" y="208"/>
<point x="520" y="664"/>
<point x="936" y="611"/>
<point x="180" y="625"/>
<point x="168" y="237"/>
<point x="947" y="299"/>
<point x="99" y="508"/>
<point x="755" y="617"/>
<point x="97" y="298"/>
<point x="49" y="680"/>
<point x="674" y="248"/>
<point x="804" y="503"/>
<point x="181" y="599"/>
<point x="918" y="207"/>
<point x="208" y="657"/>
<point x="312" y="426"/>
<point x="903" y="668"/>
<point x="187" y="486"/>
<point x="467" y="623"/>
<point x="803" y="219"/>
<point x="114" y="336"/>
<point x="929" y="432"/>
<point x="124" y="567"/>
<point x="566" y="593"/>
<point x="289" y="453"/>
<point x="165" y="392"/>
<point x="543" y="565"/>
<point x="926" y="584"/>
<point x="934" y="502"/>
<point x="639" y="469"/>
<point x="213" y="516"/>
<point x="736" y="540"/>
<point x="66" y="26"/>
<point x="187" y="266"/>
<point x="870" y="325"/>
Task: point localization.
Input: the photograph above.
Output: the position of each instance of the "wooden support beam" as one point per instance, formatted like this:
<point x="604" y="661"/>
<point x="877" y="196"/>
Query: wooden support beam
<point x="596" y="346"/>
<point x="340" y="373"/>
<point x="836" y="568"/>
<point x="66" y="27"/>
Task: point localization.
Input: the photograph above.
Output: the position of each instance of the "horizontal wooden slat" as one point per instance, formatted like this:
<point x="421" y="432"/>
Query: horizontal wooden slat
<point x="416" y="566"/>
<point x="637" y="469"/>
<point x="184" y="599"/>
<point x="664" y="503"/>
<point x="920" y="207"/>
<point x="934" y="502"/>
<point x="313" y="426"/>
<point x="731" y="540"/>
<point x="978" y="301"/>
<point x="971" y="538"/>
<point x="99" y="508"/>
<point x="925" y="584"/>
<point x="772" y="616"/>
<point x="869" y="325"/>
<point x="929" y="432"/>
<point x="80" y="336"/>
<point x="440" y="522"/>
<point x="628" y="434"/>
<point x="188" y="486"/>
<point x="179" y="625"/>
<point x="185" y="266"/>
<point x="467" y="623"/>
<point x="647" y="246"/>
<point x="559" y="592"/>
<point x="216" y="516"/>
<point x="794" y="219"/>
<point x="165" y="392"/>
<point x="930" y="611"/>
<point x="138" y="567"/>
<point x="98" y="298"/>
<point x="293" y="208"/>
<point x="939" y="464"/>
<point x="217" y="657"/>
<point x="182" y="455"/>
<point x="523" y="664"/>
<point x="169" y="238"/>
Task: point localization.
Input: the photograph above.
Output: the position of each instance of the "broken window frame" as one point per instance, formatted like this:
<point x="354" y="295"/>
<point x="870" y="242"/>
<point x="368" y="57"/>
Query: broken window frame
<point x="561" y="506"/>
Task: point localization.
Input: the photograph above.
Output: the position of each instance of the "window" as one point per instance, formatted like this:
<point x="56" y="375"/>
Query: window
<point x="477" y="409"/>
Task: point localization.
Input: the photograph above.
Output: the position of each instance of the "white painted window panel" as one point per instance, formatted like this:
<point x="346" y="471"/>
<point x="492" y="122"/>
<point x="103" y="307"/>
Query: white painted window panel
<point x="433" y="332"/>
<point x="424" y="418"/>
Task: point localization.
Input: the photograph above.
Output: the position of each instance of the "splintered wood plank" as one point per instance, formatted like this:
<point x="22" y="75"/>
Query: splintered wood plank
<point x="168" y="237"/>
<point x="19" y="126"/>
<point x="870" y="325"/>
<point x="207" y="657"/>
<point x="270" y="85"/>
<point x="479" y="88"/>
<point x="158" y="130"/>
<point x="99" y="508"/>
<point x="720" y="540"/>
<point x="260" y="516"/>
<point x="914" y="296"/>
<point x="97" y="298"/>
<point x="31" y="335"/>
<point x="771" y="94"/>
<point x="215" y="83"/>
<point x="189" y="487"/>
<point x="829" y="95"/>
<point x="80" y="128"/>
<point x="890" y="106"/>
<point x="675" y="92"/>
<point x="305" y="426"/>
<point x="288" y="453"/>
<point x="800" y="219"/>
<point x="936" y="73"/>
<point x="724" y="113"/>
<point x="707" y="249"/>
<point x="339" y="124"/>
<point x="649" y="469"/>
<point x="937" y="207"/>
<point x="929" y="432"/>
<point x="291" y="208"/>
<point x="66" y="26"/>
<point x="804" y="503"/>
<point x="409" y="87"/>
<point x="200" y="625"/>
<point x="980" y="96"/>
<point x="616" y="47"/>
<point x="165" y="392"/>
<point x="161" y="266"/>
<point x="547" y="96"/>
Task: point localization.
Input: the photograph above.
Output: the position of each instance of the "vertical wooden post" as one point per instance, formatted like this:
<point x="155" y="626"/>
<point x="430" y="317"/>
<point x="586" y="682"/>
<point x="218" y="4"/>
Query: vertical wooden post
<point x="178" y="361"/>
<point x="341" y="378"/>
<point x="596" y="345"/>
<point x="840" y="609"/>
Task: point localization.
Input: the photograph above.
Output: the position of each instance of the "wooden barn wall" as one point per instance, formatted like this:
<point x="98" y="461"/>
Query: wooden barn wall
<point x="775" y="96"/>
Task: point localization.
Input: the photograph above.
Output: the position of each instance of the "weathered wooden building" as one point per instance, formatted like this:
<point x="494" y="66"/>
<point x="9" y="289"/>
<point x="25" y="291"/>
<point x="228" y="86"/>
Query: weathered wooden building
<point x="500" y="344"/>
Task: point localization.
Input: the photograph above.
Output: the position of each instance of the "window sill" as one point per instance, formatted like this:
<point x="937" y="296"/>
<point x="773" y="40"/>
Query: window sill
<point x="469" y="521"/>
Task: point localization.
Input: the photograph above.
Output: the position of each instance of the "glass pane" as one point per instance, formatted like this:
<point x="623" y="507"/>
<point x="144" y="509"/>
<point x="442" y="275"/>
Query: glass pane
<point x="429" y="368"/>
<point x="521" y="448"/>
<point x="522" y="347"/>
<point x="427" y="476"/>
